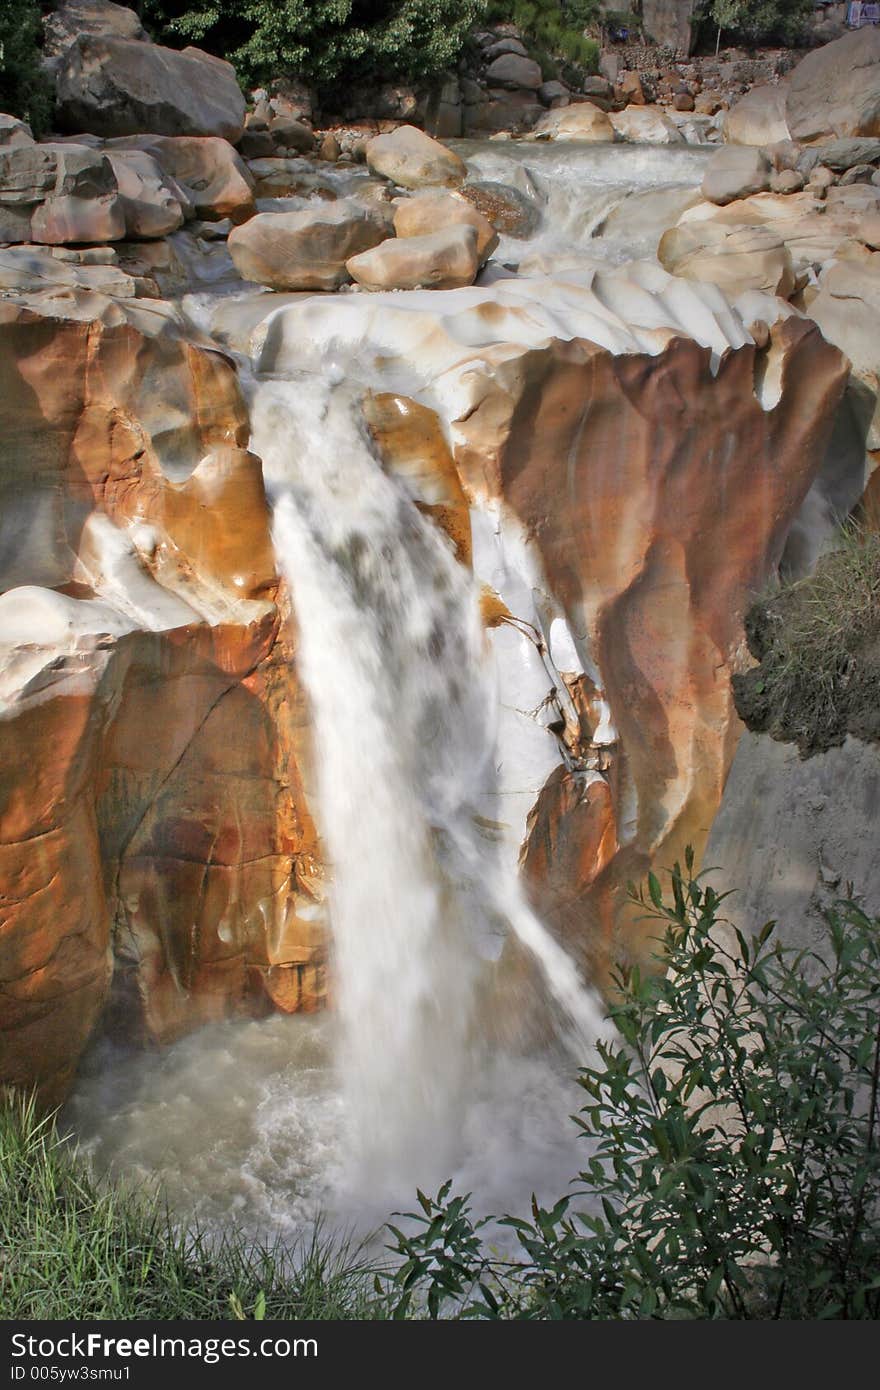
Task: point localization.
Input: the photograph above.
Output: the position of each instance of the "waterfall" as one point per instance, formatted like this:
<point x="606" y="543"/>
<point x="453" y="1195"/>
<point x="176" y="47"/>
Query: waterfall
<point x="394" y="660"/>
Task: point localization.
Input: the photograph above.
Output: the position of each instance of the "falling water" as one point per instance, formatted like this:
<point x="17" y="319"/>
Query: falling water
<point x="393" y="656"/>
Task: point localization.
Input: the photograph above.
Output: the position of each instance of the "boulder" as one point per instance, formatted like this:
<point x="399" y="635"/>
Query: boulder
<point x="214" y="179"/>
<point x="645" y="125"/>
<point x="758" y="118"/>
<point x="94" y="18"/>
<point x="512" y="70"/>
<point x="630" y="90"/>
<point x="290" y="134"/>
<point x="305" y="250"/>
<point x="411" y="159"/>
<point x="835" y="90"/>
<point x="502" y="46"/>
<point x="786" y="181"/>
<point x="735" y="173"/>
<point x="553" y="94"/>
<point x="58" y="193"/>
<point x="444" y="260"/>
<point x="841" y="155"/>
<point x="868" y="229"/>
<point x="153" y="204"/>
<point x="434" y="210"/>
<point x="14" y="132"/>
<point x="115" y="87"/>
<point x="509" y="211"/>
<point x="735" y="258"/>
<point x="583" y="122"/>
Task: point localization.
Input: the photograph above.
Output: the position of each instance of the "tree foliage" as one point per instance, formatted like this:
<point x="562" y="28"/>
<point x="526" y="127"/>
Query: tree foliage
<point x="734" y="1154"/>
<point x="24" y="88"/>
<point x="323" y="41"/>
<point x="758" y="21"/>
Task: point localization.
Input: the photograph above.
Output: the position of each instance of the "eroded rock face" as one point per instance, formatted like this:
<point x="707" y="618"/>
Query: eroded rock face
<point x="736" y="258"/>
<point x="630" y="483"/>
<point x="215" y="181"/>
<point x="152" y="808"/>
<point x="56" y="193"/>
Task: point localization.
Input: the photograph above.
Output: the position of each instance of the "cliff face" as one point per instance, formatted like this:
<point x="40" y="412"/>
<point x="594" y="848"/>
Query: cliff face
<point x="657" y="491"/>
<point x="152" y="805"/>
<point x="617" y="479"/>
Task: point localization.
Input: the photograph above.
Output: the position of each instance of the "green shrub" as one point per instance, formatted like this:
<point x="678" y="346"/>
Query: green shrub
<point x="24" y="89"/>
<point x="74" y="1248"/>
<point x="327" y="42"/>
<point x="554" y="27"/>
<point x="733" y="1132"/>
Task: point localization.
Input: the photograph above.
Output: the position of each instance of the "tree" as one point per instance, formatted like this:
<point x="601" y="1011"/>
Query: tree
<point x="325" y="41"/>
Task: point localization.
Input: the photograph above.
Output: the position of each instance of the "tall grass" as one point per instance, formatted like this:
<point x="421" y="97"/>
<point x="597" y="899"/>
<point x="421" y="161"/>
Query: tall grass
<point x="72" y="1247"/>
<point x="818" y="642"/>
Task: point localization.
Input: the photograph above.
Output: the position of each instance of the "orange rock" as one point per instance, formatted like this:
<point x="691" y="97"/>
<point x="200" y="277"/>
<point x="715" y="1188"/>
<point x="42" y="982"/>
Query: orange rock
<point x="412" y="445"/>
<point x="153" y="805"/>
<point x="658" y="493"/>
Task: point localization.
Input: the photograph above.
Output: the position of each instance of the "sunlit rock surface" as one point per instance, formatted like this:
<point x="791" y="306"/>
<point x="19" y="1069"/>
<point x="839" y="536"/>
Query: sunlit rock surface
<point x="151" y="805"/>
<point x="633" y="459"/>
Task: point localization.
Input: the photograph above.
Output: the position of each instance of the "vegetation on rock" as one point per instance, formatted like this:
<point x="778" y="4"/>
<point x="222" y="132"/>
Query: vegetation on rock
<point x="553" y="29"/>
<point x="818" y="645"/>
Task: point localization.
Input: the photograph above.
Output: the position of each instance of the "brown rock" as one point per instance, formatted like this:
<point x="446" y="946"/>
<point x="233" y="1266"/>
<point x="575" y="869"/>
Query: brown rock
<point x="582" y="121"/>
<point x="734" y="257"/>
<point x="213" y="177"/>
<point x="412" y="445"/>
<point x="659" y="587"/>
<point x="412" y="159"/>
<point x="432" y="210"/>
<point x="444" y="260"/>
<point x="786" y="181"/>
<point x="835" y="90"/>
<point x="305" y="250"/>
<point x="629" y="89"/>
<point x="151" y="792"/>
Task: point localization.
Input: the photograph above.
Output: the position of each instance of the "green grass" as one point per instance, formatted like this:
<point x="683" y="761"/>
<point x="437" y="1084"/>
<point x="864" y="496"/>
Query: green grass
<point x="72" y="1247"/>
<point x="818" y="644"/>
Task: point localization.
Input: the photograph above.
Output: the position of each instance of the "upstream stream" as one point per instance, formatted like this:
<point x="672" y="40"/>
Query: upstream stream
<point x="439" y="1058"/>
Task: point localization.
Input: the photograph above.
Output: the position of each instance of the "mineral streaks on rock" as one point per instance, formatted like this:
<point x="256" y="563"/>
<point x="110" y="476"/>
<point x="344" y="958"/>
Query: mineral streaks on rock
<point x="658" y="494"/>
<point x="633" y="460"/>
<point x="152" y="801"/>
